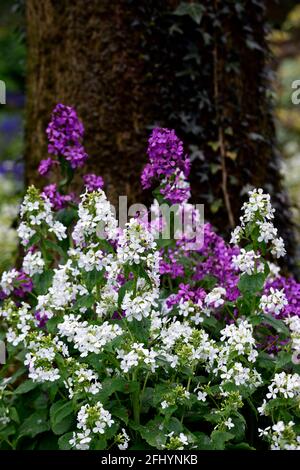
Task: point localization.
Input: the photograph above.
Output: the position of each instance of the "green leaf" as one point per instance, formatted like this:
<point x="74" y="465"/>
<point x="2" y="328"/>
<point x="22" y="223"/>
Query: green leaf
<point x="152" y="433"/>
<point x="42" y="282"/>
<point x="61" y="416"/>
<point x="63" y="441"/>
<point x="219" y="438"/>
<point x="84" y="301"/>
<point x="93" y="278"/>
<point x="52" y="324"/>
<point x="116" y="384"/>
<point x="277" y="324"/>
<point x="120" y="412"/>
<point x="140" y="329"/>
<point x="193" y="10"/>
<point x="25" y="387"/>
<point x="203" y="441"/>
<point x="51" y="246"/>
<point x="34" y="424"/>
<point x="251" y="283"/>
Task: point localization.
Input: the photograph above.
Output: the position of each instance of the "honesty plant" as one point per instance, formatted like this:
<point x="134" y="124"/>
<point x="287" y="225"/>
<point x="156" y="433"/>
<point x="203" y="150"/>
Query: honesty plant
<point x="119" y="339"/>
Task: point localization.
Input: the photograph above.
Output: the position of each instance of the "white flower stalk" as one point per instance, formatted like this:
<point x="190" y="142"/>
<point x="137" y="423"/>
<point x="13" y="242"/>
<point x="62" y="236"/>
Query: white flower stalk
<point x="293" y="323"/>
<point x="36" y="215"/>
<point x="91" y="421"/>
<point x="215" y="298"/>
<point x="41" y="357"/>
<point x="19" y="321"/>
<point x="81" y="380"/>
<point x="96" y="220"/>
<point x="239" y="338"/>
<point x="284" y="385"/>
<point x="278" y="249"/>
<point x="141" y="305"/>
<point x="123" y="440"/>
<point x="258" y="210"/>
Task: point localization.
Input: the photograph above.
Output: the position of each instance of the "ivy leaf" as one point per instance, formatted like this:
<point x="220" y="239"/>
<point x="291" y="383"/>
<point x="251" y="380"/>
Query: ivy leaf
<point x="193" y="10"/>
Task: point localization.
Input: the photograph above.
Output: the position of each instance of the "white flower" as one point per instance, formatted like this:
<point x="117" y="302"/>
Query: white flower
<point x="214" y="298"/>
<point x="278" y="249"/>
<point x="33" y="263"/>
<point x="228" y="423"/>
<point x="285" y="385"/>
<point x="246" y="261"/>
<point x="236" y="235"/>
<point x="267" y="231"/>
<point x="124" y="438"/>
<point x="274" y="302"/>
<point x="7" y="281"/>
<point x="201" y="396"/>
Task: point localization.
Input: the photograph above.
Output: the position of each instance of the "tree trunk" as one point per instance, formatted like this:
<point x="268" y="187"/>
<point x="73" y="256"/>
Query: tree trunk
<point x="87" y="54"/>
<point x="127" y="66"/>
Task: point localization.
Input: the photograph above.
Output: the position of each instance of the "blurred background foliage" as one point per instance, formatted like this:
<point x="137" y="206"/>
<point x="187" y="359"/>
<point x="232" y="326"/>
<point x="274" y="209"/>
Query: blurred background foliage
<point x="285" y="45"/>
<point x="12" y="72"/>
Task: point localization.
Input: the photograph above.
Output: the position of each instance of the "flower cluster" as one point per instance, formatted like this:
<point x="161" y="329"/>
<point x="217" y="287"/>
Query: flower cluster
<point x="116" y="328"/>
<point x="168" y="165"/>
<point x="257" y="214"/>
<point x="91" y="420"/>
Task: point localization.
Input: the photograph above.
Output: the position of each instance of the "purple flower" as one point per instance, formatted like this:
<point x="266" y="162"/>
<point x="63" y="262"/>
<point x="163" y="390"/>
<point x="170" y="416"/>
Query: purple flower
<point x="168" y="165"/>
<point x="24" y="285"/>
<point x="93" y="182"/>
<point x="58" y="201"/>
<point x="76" y="156"/>
<point x="45" y="166"/>
<point x="177" y="189"/>
<point x="41" y="318"/>
<point x="64" y="130"/>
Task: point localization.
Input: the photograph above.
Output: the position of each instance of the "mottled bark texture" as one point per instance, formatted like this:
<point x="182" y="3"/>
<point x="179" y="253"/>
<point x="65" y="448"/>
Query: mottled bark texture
<point x="87" y="54"/>
<point x="128" y="65"/>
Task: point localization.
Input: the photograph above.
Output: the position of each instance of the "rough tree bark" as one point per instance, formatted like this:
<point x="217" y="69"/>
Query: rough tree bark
<point x="128" y="65"/>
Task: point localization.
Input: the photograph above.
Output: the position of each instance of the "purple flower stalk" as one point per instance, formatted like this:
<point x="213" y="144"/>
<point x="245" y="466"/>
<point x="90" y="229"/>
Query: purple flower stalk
<point x="64" y="130"/>
<point x="65" y="133"/>
<point x="168" y="165"/>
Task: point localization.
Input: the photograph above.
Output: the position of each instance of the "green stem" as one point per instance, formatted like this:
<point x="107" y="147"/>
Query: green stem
<point x="187" y="389"/>
<point x="136" y="401"/>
